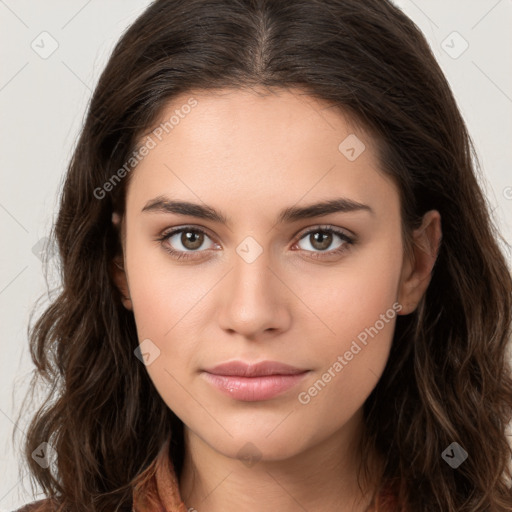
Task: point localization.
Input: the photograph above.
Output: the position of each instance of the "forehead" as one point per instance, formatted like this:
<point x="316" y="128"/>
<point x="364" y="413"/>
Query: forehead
<point x="246" y="145"/>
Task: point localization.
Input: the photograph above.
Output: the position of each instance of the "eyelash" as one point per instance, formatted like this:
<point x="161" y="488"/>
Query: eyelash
<point x="186" y="255"/>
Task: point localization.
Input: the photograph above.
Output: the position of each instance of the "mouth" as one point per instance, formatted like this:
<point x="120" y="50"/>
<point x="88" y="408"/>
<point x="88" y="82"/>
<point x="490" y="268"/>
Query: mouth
<point x="254" y="382"/>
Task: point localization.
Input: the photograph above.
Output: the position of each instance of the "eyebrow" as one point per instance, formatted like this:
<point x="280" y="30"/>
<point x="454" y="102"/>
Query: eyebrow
<point x="162" y="204"/>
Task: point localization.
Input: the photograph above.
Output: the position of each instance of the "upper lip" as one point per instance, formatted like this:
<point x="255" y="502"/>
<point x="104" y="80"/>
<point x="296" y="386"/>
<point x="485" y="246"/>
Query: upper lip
<point x="261" y="369"/>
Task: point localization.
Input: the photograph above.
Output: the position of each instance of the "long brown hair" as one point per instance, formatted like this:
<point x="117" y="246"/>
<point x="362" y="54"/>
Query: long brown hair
<point x="447" y="379"/>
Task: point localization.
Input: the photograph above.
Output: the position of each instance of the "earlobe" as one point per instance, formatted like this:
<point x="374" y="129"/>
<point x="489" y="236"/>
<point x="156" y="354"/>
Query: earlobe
<point x="418" y="266"/>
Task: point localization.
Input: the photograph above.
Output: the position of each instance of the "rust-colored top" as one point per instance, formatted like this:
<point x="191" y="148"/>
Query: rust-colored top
<point x="158" y="491"/>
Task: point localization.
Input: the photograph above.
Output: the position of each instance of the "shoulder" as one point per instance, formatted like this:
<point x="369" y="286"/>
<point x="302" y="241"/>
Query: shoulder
<point x="46" y="505"/>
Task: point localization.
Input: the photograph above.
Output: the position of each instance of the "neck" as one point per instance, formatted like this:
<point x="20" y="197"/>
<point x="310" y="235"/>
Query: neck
<point x="321" y="478"/>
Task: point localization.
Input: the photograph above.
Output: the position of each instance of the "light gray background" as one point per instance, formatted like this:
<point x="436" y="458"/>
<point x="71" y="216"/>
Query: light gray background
<point x="43" y="100"/>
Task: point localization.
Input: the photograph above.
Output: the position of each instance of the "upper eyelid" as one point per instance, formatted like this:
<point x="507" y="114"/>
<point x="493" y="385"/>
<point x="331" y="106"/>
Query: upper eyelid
<point x="326" y="227"/>
<point x="173" y="231"/>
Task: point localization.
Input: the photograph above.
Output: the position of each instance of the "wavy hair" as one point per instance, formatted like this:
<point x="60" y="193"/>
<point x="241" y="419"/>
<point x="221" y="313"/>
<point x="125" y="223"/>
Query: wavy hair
<point x="448" y="378"/>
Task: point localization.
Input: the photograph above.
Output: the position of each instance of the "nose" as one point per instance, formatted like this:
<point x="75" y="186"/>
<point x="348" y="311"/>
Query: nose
<point x="253" y="301"/>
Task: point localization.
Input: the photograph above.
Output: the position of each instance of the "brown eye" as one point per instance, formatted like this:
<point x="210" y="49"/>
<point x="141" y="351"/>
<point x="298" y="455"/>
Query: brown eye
<point x="321" y="239"/>
<point x="321" y="242"/>
<point x="185" y="242"/>
<point x="191" y="240"/>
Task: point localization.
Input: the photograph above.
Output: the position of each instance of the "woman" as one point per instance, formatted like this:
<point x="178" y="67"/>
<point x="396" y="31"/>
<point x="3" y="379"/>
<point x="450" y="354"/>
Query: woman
<point x="281" y="285"/>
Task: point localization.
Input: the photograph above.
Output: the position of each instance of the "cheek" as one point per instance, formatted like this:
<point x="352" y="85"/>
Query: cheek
<point x="169" y="304"/>
<point x="350" y="362"/>
<point x="164" y="302"/>
<point x="357" y="309"/>
<point x="160" y="300"/>
<point x="352" y="296"/>
<point x="167" y="311"/>
<point x="162" y="292"/>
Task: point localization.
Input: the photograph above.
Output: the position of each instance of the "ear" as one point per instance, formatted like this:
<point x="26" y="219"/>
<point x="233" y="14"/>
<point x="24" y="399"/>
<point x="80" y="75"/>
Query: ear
<point x="417" y="269"/>
<point x="117" y="270"/>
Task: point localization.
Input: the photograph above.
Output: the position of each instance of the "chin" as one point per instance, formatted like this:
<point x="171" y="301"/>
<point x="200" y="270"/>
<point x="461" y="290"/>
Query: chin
<point x="253" y="446"/>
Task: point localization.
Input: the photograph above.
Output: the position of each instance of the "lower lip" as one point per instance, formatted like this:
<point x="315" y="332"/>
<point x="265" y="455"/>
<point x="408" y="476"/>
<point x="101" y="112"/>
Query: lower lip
<point x="252" y="389"/>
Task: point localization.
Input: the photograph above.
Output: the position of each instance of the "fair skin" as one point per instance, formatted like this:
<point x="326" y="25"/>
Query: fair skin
<point x="249" y="157"/>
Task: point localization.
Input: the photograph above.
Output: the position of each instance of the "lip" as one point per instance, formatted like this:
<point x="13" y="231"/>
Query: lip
<point x="261" y="369"/>
<point x="254" y="382"/>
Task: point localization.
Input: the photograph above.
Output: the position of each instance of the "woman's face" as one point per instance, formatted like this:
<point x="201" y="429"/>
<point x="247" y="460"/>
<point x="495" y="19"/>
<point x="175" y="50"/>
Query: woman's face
<point x="264" y="279"/>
